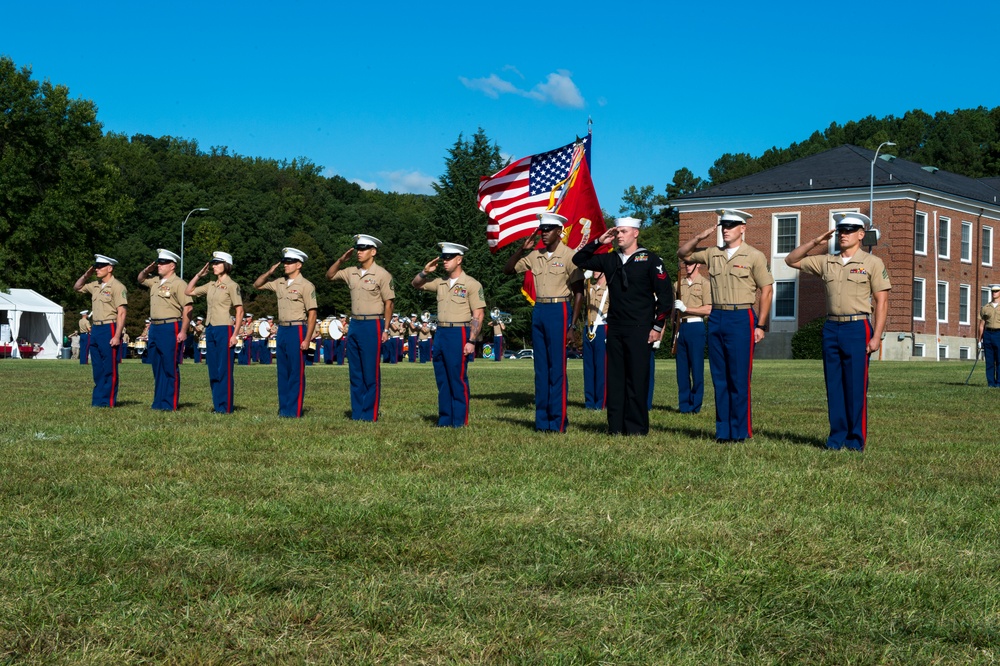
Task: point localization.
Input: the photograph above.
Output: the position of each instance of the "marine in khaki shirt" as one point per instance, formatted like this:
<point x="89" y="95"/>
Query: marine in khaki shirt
<point x="296" y="297"/>
<point x="371" y="288"/>
<point x="457" y="299"/>
<point x="84" y="324"/>
<point x="597" y="301"/>
<point x="694" y="292"/>
<point x="553" y="270"/>
<point x="223" y="295"/>
<point x="734" y="279"/>
<point x="849" y="286"/>
<point x="107" y="296"/>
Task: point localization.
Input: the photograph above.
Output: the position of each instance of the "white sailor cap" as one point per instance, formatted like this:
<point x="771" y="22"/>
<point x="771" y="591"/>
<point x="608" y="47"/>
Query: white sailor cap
<point x="365" y="239"/>
<point x="104" y="259"/>
<point x="85" y="312"/>
<point x="201" y="318"/>
<point x="733" y="215"/>
<point x="631" y="222"/>
<point x="551" y="218"/>
<point x="223" y="256"/>
<point x="270" y="316"/>
<point x="995" y="287"/>
<point x="453" y="248"/>
<point x="166" y="255"/>
<point x="247" y="315"/>
<point x="292" y="253"/>
<point x="852" y="219"/>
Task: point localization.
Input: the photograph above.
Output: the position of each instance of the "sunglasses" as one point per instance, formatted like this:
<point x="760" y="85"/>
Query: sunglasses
<point x="164" y="261"/>
<point x="288" y="260"/>
<point x="362" y="248"/>
<point x="448" y="257"/>
<point x="546" y="228"/>
<point x="101" y="265"/>
<point x="849" y="228"/>
<point x="729" y="225"/>
<point x="216" y="262"/>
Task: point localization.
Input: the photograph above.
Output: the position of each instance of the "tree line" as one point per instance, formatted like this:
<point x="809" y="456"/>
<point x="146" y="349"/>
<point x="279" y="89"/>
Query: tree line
<point x="68" y="190"/>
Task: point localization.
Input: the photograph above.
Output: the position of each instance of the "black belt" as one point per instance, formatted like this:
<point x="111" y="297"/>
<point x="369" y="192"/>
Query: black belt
<point x="366" y="317"/>
<point x="169" y="320"/>
<point x="846" y="318"/>
<point x="742" y="306"/>
<point x="452" y="324"/>
<point x="300" y="322"/>
<point x="992" y="329"/>
<point x="558" y="299"/>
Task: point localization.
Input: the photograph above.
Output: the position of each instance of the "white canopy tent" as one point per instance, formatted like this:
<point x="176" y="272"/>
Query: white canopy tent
<point x="34" y="318"/>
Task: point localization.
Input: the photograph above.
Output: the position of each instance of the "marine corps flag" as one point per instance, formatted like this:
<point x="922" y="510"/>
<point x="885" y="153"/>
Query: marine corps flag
<point x="558" y="181"/>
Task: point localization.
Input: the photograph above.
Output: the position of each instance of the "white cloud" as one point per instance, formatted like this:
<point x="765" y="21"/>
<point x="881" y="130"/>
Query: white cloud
<point x="558" y="88"/>
<point x="365" y="185"/>
<point x="409" y="182"/>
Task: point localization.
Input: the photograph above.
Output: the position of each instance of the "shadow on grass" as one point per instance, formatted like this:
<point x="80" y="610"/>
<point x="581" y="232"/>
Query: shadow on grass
<point x="509" y="399"/>
<point x="794" y="438"/>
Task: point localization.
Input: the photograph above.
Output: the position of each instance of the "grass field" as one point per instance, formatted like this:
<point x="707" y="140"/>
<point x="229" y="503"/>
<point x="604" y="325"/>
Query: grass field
<point x="133" y="536"/>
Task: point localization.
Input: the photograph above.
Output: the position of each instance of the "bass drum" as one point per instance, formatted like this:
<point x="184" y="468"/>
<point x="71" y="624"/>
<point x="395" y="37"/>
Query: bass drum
<point x="263" y="328"/>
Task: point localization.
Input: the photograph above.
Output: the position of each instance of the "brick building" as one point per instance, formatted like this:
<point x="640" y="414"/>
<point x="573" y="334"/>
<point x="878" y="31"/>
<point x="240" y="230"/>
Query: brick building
<point x="938" y="232"/>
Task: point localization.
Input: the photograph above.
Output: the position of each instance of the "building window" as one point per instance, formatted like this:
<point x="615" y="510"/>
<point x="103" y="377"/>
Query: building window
<point x="964" y="301"/>
<point x="942" y="301"/>
<point x="942" y="352"/>
<point x="918" y="299"/>
<point x="786" y="233"/>
<point x="918" y="349"/>
<point x="963" y="353"/>
<point x="784" y="299"/>
<point x="920" y="234"/>
<point x="944" y="237"/>
<point x="967" y="242"/>
<point x="987" y="246"/>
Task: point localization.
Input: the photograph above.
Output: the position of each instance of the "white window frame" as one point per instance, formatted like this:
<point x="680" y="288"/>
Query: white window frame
<point x="965" y="249"/>
<point x="774" y="231"/>
<point x="921" y="249"/>
<point x="963" y="353"/>
<point x="988" y="255"/>
<point x="943" y="223"/>
<point x="923" y="297"/>
<point x="795" y="302"/>
<point x="984" y="297"/>
<point x="964" y="299"/>
<point x="943" y="356"/>
<point x="918" y="347"/>
<point x="937" y="301"/>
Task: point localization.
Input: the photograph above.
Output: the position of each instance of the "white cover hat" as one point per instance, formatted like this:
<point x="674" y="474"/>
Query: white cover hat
<point x="733" y="215"/>
<point x="292" y="253"/>
<point x="551" y="218"/>
<point x="168" y="255"/>
<point x="995" y="287"/>
<point x="223" y="256"/>
<point x="850" y="219"/>
<point x="365" y="239"/>
<point x="453" y="248"/>
<point x="632" y="222"/>
<point x="85" y="312"/>
<point x="104" y="259"/>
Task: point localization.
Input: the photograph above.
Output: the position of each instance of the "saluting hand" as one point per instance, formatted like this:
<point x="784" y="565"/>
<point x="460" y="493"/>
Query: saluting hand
<point x="608" y="236"/>
<point x="274" y="268"/>
<point x="819" y="240"/>
<point x="204" y="271"/>
<point x="347" y="255"/>
<point x="432" y="265"/>
<point x="531" y="241"/>
<point x="711" y="231"/>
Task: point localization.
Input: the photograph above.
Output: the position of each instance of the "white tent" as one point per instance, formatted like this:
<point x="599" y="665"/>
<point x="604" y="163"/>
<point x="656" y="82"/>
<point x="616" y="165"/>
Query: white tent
<point x="34" y="318"/>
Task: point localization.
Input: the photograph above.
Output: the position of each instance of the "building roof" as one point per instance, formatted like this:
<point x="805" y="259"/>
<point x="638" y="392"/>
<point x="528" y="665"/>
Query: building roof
<point x="849" y="167"/>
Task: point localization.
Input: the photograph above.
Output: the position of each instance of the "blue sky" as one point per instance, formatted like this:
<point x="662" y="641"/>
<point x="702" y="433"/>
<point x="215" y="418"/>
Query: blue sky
<point x="378" y="92"/>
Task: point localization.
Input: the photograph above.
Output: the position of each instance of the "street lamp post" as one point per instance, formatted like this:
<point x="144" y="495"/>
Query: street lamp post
<point x="871" y="181"/>
<point x="196" y="210"/>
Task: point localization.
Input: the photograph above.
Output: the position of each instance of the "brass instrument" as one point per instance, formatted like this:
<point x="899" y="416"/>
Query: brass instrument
<point x="501" y="317"/>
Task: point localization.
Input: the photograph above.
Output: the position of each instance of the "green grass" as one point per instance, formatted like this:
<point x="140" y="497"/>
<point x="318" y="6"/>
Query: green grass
<point x="134" y="536"/>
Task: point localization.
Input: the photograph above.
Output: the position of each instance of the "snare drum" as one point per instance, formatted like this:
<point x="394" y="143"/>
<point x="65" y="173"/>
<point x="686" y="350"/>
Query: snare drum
<point x="324" y="327"/>
<point x="140" y="345"/>
<point x="272" y="343"/>
<point x="203" y="343"/>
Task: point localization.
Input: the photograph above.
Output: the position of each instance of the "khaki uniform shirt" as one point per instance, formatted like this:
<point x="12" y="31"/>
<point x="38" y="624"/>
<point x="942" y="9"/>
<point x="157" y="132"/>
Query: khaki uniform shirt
<point x="167" y="300"/>
<point x="734" y="281"/>
<point x="457" y="303"/>
<point x="295" y="300"/>
<point x="84" y="325"/>
<point x="991" y="316"/>
<point x="497" y="331"/>
<point x="694" y="295"/>
<point x="849" y="287"/>
<point x="553" y="275"/>
<point x="595" y="293"/>
<point x="106" y="298"/>
<point x="395" y="329"/>
<point x="425" y="332"/>
<point x="223" y="296"/>
<point x="369" y="292"/>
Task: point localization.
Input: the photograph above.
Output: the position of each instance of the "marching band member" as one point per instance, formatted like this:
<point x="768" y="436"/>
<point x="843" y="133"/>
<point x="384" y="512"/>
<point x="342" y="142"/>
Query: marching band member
<point x="461" y="307"/>
<point x="989" y="336"/>
<point x="737" y="272"/>
<point x="595" y="337"/>
<point x="223" y="296"/>
<point x="296" y="323"/>
<point x="244" y="333"/>
<point x="169" y="313"/>
<point x="691" y="307"/>
<point x="199" y="332"/>
<point x="109" y="300"/>
<point x="559" y="289"/>
<point x="144" y="336"/>
<point x="424" y="337"/>
<point x="412" y="330"/>
<point x="498" y="328"/>
<point x="372" y="297"/>
<point x="395" y="342"/>
<point x="340" y="345"/>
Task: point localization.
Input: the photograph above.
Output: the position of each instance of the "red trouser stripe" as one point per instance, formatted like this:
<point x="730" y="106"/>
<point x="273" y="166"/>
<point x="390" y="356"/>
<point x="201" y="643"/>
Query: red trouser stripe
<point x="177" y="371"/>
<point x="461" y="375"/>
<point x="302" y="369"/>
<point x="378" y="366"/>
<point x="753" y="343"/>
<point x="864" y="396"/>
<point x="114" y="366"/>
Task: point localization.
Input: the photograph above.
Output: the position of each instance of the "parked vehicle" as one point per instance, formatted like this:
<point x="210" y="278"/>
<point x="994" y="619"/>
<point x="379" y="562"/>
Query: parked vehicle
<point x="526" y="353"/>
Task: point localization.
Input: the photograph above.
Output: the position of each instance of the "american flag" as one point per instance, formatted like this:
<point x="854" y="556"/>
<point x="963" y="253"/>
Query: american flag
<point x="514" y="196"/>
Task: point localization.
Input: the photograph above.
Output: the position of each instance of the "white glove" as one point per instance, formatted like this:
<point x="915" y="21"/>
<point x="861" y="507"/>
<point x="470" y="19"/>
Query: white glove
<point x="679" y="306"/>
<point x="979" y="344"/>
<point x="656" y="345"/>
